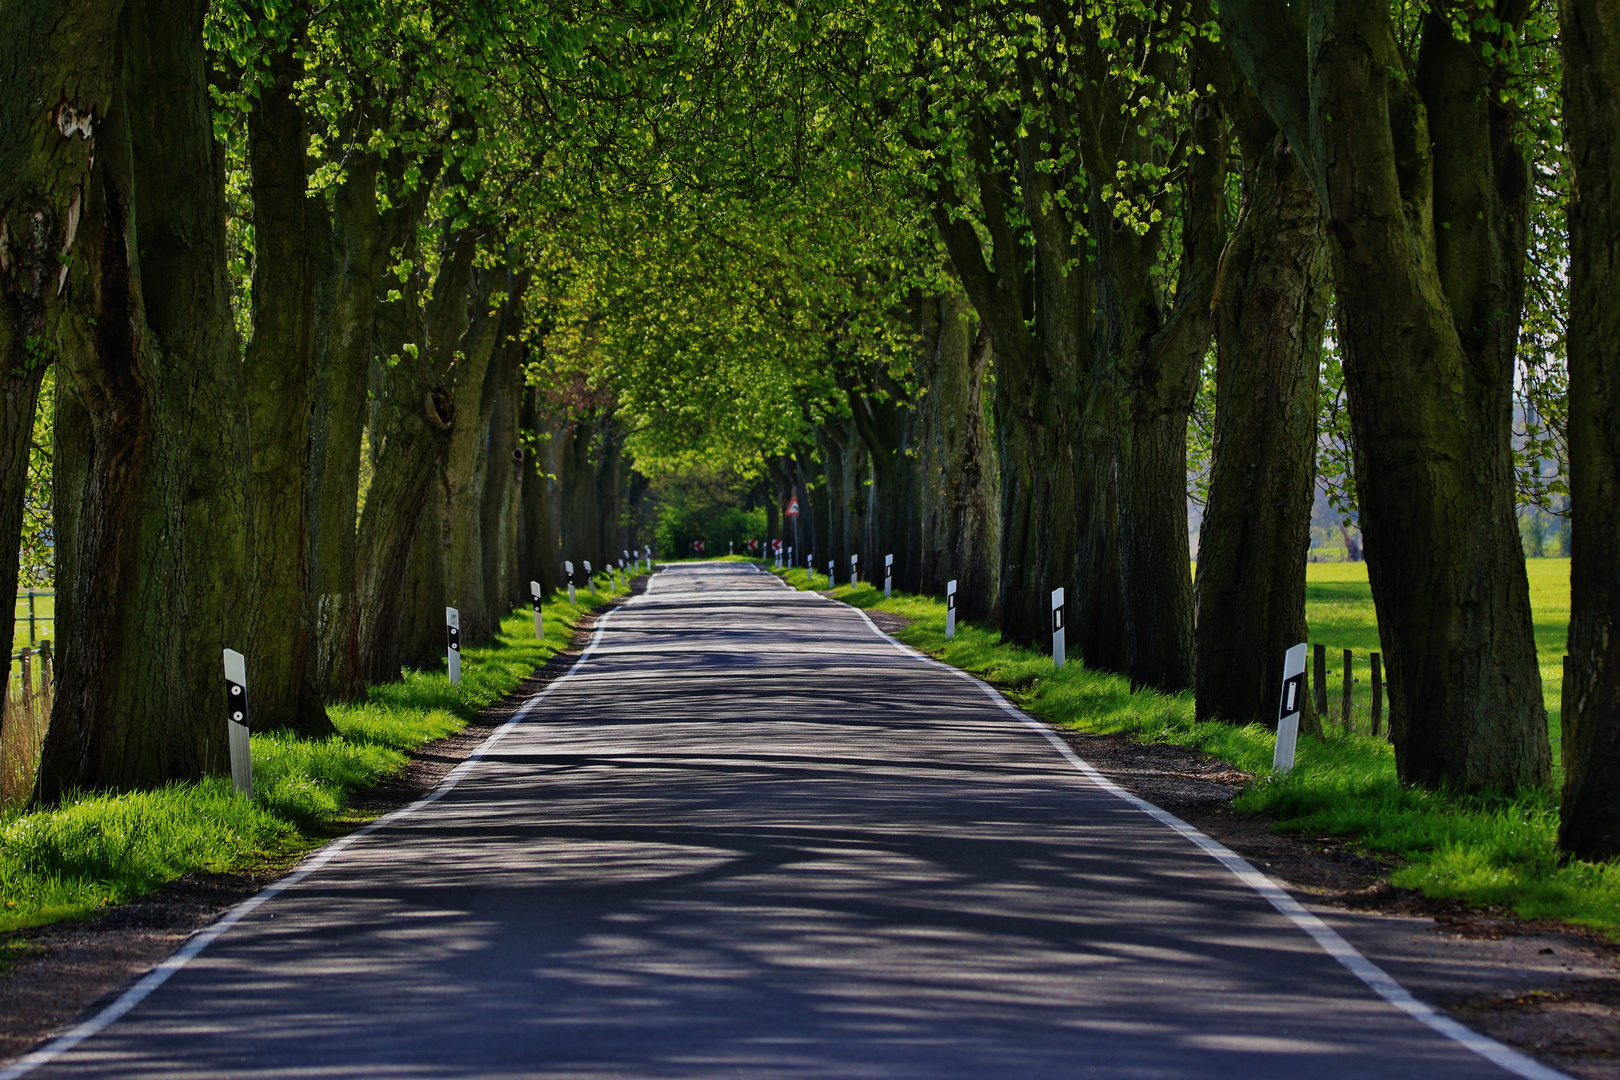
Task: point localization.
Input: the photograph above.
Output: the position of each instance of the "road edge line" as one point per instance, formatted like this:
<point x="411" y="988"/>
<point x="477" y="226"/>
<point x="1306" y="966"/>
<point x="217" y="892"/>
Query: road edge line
<point x="157" y="976"/>
<point x="1328" y="939"/>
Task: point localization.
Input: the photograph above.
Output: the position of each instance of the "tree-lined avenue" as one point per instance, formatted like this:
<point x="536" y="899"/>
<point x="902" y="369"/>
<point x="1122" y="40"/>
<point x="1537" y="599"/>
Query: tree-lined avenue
<point x="750" y="837"/>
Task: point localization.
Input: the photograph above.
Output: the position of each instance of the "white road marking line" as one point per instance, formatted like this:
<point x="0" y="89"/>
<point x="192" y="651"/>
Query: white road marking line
<point x="201" y="940"/>
<point x="1376" y="978"/>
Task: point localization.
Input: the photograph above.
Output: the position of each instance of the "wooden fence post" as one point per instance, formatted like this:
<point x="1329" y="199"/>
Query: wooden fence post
<point x="1377" y="691"/>
<point x="1321" y="681"/>
<point x="1348" y="714"/>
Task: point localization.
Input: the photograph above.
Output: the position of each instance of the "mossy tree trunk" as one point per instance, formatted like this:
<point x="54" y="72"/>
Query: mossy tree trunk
<point x="1270" y="311"/>
<point x="350" y="258"/>
<point x="1425" y="193"/>
<point x="411" y="436"/>
<point x="278" y="371"/>
<point x="1589" y="827"/>
<point x="58" y="78"/>
<point x="152" y="476"/>
<point x="958" y="491"/>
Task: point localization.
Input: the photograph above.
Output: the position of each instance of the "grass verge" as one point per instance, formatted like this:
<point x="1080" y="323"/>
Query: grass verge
<point x="1484" y="850"/>
<point x="96" y="850"/>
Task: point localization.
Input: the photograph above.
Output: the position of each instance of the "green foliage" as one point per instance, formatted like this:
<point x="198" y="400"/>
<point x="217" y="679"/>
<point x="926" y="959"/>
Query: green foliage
<point x="96" y="850"/>
<point x="1488" y="850"/>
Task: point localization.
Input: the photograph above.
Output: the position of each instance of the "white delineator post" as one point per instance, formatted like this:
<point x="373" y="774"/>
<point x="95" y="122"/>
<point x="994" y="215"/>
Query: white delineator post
<point x="236" y="723"/>
<point x="452" y="623"/>
<point x="648" y="551"/>
<point x="888" y="575"/>
<point x="854" y="571"/>
<point x="1288" y="709"/>
<point x="568" y="566"/>
<point x="950" y="609"/>
<point x="589" y="580"/>
<point x="539" y="623"/>
<point x="1059" y="651"/>
<point x="831" y="563"/>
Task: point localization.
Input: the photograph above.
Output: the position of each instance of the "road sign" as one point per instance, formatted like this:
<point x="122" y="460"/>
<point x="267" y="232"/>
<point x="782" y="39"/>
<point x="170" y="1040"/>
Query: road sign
<point x="793" y="507"/>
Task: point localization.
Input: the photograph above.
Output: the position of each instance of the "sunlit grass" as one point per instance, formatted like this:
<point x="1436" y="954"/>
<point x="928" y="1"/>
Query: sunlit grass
<point x="1486" y="850"/>
<point x="95" y="850"/>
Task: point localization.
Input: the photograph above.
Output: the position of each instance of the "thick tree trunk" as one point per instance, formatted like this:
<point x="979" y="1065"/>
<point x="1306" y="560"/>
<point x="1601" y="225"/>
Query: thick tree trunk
<point x="46" y="156"/>
<point x="960" y="494"/>
<point x="880" y="425"/>
<point x="414" y="421"/>
<point x="1425" y="194"/>
<point x="1163" y="354"/>
<point x="152" y="487"/>
<point x="503" y="587"/>
<point x="581" y="501"/>
<point x="466" y="466"/>
<point x="836" y="504"/>
<point x="277" y="371"/>
<point x="1256" y="534"/>
<point x="351" y="262"/>
<point x="1429" y="319"/>
<point x="1590" y="823"/>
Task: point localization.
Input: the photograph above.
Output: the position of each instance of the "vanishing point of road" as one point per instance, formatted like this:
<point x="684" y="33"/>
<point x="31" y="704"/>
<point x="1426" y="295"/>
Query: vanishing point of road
<point x="749" y="836"/>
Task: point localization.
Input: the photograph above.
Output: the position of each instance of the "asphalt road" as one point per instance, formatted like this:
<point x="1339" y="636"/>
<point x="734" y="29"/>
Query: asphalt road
<point x="749" y="837"/>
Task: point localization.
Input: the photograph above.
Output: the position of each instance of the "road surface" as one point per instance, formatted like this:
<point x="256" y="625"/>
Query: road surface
<point x="750" y="837"/>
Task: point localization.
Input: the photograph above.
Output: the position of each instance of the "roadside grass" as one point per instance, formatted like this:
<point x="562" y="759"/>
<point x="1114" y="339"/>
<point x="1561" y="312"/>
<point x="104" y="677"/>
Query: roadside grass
<point x="1486" y="850"/>
<point x="94" y="849"/>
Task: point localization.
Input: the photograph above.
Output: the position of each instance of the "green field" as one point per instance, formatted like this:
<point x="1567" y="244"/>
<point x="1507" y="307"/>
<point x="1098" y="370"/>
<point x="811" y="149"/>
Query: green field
<point x="1339" y="611"/>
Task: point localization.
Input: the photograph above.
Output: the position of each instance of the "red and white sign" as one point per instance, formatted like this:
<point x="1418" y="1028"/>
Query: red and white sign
<point x="793" y="507"/>
<point x="697" y="547"/>
<point x="776" y="546"/>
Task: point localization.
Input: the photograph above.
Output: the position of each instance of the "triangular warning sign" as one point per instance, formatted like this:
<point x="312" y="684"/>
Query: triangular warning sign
<point x="793" y="507"/>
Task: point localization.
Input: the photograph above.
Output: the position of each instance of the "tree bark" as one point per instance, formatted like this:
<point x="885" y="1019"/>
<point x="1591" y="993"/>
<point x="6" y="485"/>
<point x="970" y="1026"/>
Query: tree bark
<point x="960" y="521"/>
<point x="1271" y="308"/>
<point x="57" y="79"/>
<point x="412" y="435"/>
<point x="1425" y="195"/>
<point x="351" y="260"/>
<point x="1589" y="827"/>
<point x="466" y="465"/>
<point x="151" y="492"/>
<point x="278" y="369"/>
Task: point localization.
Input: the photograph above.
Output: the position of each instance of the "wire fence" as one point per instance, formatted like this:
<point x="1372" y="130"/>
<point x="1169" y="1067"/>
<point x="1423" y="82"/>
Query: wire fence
<point x="1349" y="690"/>
<point x="27" y="709"/>
<point x="36" y="619"/>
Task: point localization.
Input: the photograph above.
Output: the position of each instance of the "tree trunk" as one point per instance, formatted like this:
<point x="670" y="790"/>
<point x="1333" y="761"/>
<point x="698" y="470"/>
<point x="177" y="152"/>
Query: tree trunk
<point x="277" y="371"/>
<point x="880" y="425"/>
<point x="466" y="466"/>
<point x="151" y="490"/>
<point x="1432" y="412"/>
<point x="1256" y="535"/>
<point x="414" y="421"/>
<point x="1590" y="824"/>
<point x="45" y="175"/>
<point x="963" y="541"/>
<point x="1162" y="356"/>
<point x="1425" y="193"/>
<point x="832" y="473"/>
<point x="351" y="261"/>
<point x="503" y="588"/>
